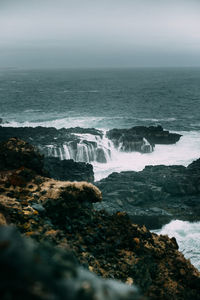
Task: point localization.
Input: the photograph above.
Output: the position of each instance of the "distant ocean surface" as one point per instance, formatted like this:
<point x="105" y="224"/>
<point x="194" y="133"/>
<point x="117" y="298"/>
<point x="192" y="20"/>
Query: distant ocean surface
<point x="102" y="98"/>
<point x="114" y="98"/>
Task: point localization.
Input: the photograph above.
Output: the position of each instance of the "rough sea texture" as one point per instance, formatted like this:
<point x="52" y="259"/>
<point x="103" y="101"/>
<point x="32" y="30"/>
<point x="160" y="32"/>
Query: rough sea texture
<point x="102" y="98"/>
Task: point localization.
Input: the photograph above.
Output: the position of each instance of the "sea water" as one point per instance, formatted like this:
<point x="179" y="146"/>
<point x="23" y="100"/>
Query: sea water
<point x="114" y="98"/>
<point x="188" y="237"/>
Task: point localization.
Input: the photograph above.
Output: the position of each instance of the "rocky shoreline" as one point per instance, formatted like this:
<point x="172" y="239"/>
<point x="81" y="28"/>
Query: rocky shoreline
<point x="62" y="213"/>
<point x="155" y="195"/>
<point x="90" y="144"/>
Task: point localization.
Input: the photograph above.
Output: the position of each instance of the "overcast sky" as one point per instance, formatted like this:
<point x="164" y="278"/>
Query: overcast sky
<point x="99" y="33"/>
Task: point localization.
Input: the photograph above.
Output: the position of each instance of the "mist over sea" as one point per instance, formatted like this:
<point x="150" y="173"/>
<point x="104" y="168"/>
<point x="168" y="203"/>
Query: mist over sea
<point x="114" y="98"/>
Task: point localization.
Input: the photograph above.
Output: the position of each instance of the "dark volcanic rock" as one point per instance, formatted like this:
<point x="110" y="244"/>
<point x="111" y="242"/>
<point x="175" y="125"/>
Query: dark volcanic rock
<point x="65" y="143"/>
<point x="45" y="135"/>
<point x="155" y="195"/>
<point x="133" y="139"/>
<point x="68" y="169"/>
<point x="16" y="153"/>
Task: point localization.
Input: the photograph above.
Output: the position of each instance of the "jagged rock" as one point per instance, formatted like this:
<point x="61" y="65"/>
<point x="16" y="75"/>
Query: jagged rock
<point x="108" y="245"/>
<point x="16" y="153"/>
<point x="85" y="144"/>
<point x="194" y="167"/>
<point x="68" y="169"/>
<point x="141" y="138"/>
<point x="173" y="190"/>
<point x="32" y="271"/>
<point x="65" y="143"/>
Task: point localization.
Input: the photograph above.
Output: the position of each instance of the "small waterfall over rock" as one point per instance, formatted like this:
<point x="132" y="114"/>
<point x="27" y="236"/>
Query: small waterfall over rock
<point x="85" y="148"/>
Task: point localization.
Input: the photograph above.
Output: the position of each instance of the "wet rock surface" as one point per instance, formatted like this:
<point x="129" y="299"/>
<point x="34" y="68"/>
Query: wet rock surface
<point x="88" y="144"/>
<point x="155" y="195"/>
<point x="111" y="246"/>
<point x="79" y="144"/>
<point x="141" y="138"/>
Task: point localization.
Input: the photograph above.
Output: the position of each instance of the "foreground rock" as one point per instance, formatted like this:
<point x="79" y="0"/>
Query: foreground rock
<point x="141" y="138"/>
<point x="32" y="271"/>
<point x="155" y="195"/>
<point x="109" y="245"/>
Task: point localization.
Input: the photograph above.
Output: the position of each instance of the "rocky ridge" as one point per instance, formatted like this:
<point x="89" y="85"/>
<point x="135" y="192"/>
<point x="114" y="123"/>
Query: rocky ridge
<point x="111" y="246"/>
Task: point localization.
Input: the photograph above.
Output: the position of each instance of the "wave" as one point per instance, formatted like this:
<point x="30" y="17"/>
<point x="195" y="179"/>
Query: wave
<point x="62" y="120"/>
<point x="158" y="120"/>
<point x="66" y="122"/>
<point x="188" y="237"/>
<point x="181" y="153"/>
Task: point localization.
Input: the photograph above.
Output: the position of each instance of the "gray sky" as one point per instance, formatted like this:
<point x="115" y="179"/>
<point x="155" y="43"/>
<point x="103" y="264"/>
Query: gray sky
<point x="99" y="33"/>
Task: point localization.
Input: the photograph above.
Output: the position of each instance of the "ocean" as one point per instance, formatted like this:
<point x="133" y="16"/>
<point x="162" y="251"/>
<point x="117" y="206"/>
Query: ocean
<point x="113" y="98"/>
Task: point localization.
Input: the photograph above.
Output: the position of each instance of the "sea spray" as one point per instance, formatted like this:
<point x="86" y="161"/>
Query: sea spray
<point x="187" y="235"/>
<point x="181" y="153"/>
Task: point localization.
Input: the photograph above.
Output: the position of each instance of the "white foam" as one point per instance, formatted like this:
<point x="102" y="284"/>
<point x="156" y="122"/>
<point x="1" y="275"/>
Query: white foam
<point x="181" y="153"/>
<point x="188" y="237"/>
<point x="59" y="123"/>
<point x="158" y="120"/>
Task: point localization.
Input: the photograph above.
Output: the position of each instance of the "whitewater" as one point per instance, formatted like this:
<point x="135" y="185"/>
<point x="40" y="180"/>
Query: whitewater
<point x="187" y="235"/>
<point x="181" y="153"/>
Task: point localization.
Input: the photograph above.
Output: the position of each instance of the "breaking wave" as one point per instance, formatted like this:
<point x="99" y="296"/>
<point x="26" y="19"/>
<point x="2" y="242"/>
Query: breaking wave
<point x="188" y="237"/>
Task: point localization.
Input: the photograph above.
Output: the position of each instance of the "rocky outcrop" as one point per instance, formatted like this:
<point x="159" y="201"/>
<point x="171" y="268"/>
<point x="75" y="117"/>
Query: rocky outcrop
<point x="141" y="138"/>
<point x="108" y="245"/>
<point x="68" y="169"/>
<point x="111" y="246"/>
<point x="155" y="195"/>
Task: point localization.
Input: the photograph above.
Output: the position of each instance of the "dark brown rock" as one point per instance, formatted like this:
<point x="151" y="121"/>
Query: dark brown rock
<point x="16" y="153"/>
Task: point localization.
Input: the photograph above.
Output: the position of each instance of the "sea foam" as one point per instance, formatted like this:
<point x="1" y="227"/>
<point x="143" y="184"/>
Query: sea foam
<point x="188" y="237"/>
